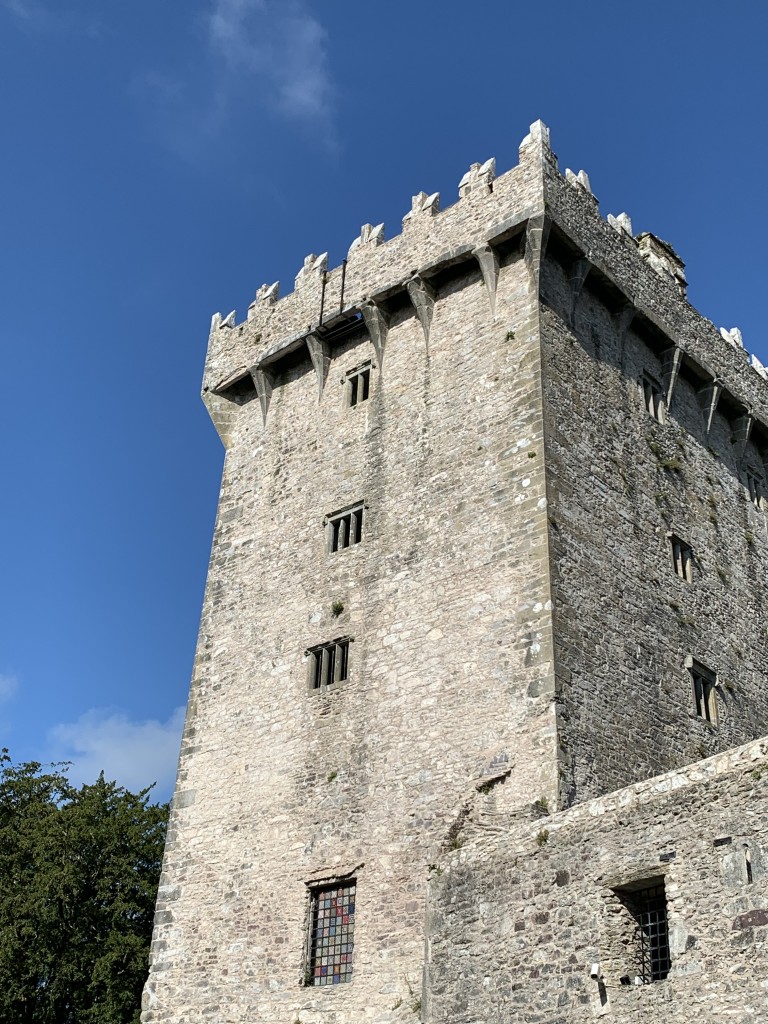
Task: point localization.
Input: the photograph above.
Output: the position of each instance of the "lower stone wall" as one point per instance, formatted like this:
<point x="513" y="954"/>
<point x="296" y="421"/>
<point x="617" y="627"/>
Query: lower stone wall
<point x="519" y="914"/>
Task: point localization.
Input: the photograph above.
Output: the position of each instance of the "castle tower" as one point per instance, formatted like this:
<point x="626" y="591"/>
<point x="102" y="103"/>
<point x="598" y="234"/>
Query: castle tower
<point x="491" y="525"/>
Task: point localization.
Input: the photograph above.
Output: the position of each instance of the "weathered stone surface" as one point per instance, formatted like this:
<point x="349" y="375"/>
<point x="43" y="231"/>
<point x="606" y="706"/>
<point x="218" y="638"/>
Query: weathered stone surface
<point x="520" y="644"/>
<point x="521" y="913"/>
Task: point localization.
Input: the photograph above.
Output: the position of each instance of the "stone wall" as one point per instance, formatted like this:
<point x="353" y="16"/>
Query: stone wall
<point x="508" y="473"/>
<point x="619" y="483"/>
<point x="446" y="600"/>
<point x="521" y="912"/>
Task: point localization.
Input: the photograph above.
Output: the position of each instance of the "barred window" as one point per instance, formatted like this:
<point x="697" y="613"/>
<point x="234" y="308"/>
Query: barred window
<point x="345" y="527"/>
<point x="358" y="384"/>
<point x="640" y="931"/>
<point x="649" y="909"/>
<point x="328" y="664"/>
<point x="654" y="398"/>
<point x="682" y="558"/>
<point x="332" y="923"/>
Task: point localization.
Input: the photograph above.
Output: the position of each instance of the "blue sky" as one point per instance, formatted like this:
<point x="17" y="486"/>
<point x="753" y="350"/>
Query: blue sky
<point x="163" y="158"/>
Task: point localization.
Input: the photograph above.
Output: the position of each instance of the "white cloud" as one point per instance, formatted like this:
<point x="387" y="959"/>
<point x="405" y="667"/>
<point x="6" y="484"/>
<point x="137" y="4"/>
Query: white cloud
<point x="278" y="45"/>
<point x="40" y="15"/>
<point x="9" y="684"/>
<point x="27" y="10"/>
<point x="134" y="754"/>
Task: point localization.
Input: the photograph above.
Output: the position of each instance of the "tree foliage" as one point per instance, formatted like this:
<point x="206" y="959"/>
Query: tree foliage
<point x="79" y="870"/>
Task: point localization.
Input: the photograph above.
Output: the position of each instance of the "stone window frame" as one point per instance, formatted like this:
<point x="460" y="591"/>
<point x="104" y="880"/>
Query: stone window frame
<point x="344" y="528"/>
<point x="683" y="557"/>
<point x="653" y="397"/>
<point x="328" y="664"/>
<point x="640" y="931"/>
<point x="704" y="686"/>
<point x="357" y="384"/>
<point x="315" y="956"/>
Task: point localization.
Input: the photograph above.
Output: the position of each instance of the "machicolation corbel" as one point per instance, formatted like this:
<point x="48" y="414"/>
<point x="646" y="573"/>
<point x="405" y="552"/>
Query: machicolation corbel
<point x="577" y="276"/>
<point x="377" y="326"/>
<point x="369" y="235"/>
<point x="478" y="177"/>
<point x="536" y="238"/>
<point x="422" y="296"/>
<point x="489" y="267"/>
<point x="422" y="205"/>
<point x="320" y="354"/>
<point x="264" y="383"/>
<point x="708" y="397"/>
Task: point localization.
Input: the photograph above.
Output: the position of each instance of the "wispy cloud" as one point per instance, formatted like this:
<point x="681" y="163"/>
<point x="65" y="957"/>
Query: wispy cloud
<point x="264" y="59"/>
<point x="281" y="46"/>
<point x="45" y="15"/>
<point x="9" y="684"/>
<point x="135" y="754"/>
<point x="26" y="10"/>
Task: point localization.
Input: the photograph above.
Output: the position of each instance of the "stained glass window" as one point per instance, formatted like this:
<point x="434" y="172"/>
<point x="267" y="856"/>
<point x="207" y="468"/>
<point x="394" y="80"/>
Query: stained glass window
<point x="332" y="927"/>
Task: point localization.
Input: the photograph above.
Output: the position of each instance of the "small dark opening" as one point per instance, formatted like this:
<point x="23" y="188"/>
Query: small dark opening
<point x="343" y="654"/>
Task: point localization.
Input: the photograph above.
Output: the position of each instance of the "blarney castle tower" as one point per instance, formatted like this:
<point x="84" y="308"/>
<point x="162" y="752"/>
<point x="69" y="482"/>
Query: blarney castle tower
<point x="474" y="728"/>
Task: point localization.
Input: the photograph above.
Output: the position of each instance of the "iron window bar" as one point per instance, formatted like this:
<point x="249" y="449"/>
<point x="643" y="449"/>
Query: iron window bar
<point x="331" y="938"/>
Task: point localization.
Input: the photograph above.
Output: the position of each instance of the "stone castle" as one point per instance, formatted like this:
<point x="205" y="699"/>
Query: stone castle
<point x="474" y="732"/>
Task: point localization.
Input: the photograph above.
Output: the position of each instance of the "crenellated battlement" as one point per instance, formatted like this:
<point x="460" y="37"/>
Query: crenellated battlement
<point x="490" y="210"/>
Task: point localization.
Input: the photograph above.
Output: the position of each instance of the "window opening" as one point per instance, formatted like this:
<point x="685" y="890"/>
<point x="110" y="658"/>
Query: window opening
<point x="755" y="488"/>
<point x="654" y="398"/>
<point x="345" y="528"/>
<point x="332" y="922"/>
<point x="748" y="863"/>
<point x="649" y="908"/>
<point x="358" y="384"/>
<point x="682" y="558"/>
<point x="704" y="688"/>
<point x="328" y="664"/>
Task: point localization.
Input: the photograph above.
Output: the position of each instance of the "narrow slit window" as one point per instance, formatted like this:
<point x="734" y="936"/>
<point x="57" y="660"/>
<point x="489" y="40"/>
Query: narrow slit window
<point x="682" y="558"/>
<point x="329" y="664"/>
<point x="345" y="528"/>
<point x="755" y="488"/>
<point x="654" y="398"/>
<point x="704" y="685"/>
<point x="331" y="934"/>
<point x="358" y="384"/>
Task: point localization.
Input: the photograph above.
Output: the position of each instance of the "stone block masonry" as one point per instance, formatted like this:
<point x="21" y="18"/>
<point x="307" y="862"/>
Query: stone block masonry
<point x="527" y="923"/>
<point x="504" y="636"/>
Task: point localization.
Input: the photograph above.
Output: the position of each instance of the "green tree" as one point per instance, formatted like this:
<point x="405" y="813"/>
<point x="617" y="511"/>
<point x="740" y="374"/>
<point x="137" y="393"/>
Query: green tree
<point x="79" y="870"/>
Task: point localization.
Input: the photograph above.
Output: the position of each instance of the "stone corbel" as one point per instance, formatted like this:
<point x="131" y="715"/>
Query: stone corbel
<point x="576" y="278"/>
<point x="709" y="396"/>
<point x="264" y="383"/>
<point x="622" y="321"/>
<point x="377" y="327"/>
<point x="670" y="370"/>
<point x="320" y="354"/>
<point x="742" y="429"/>
<point x="489" y="268"/>
<point x="423" y="298"/>
<point x="536" y="238"/>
